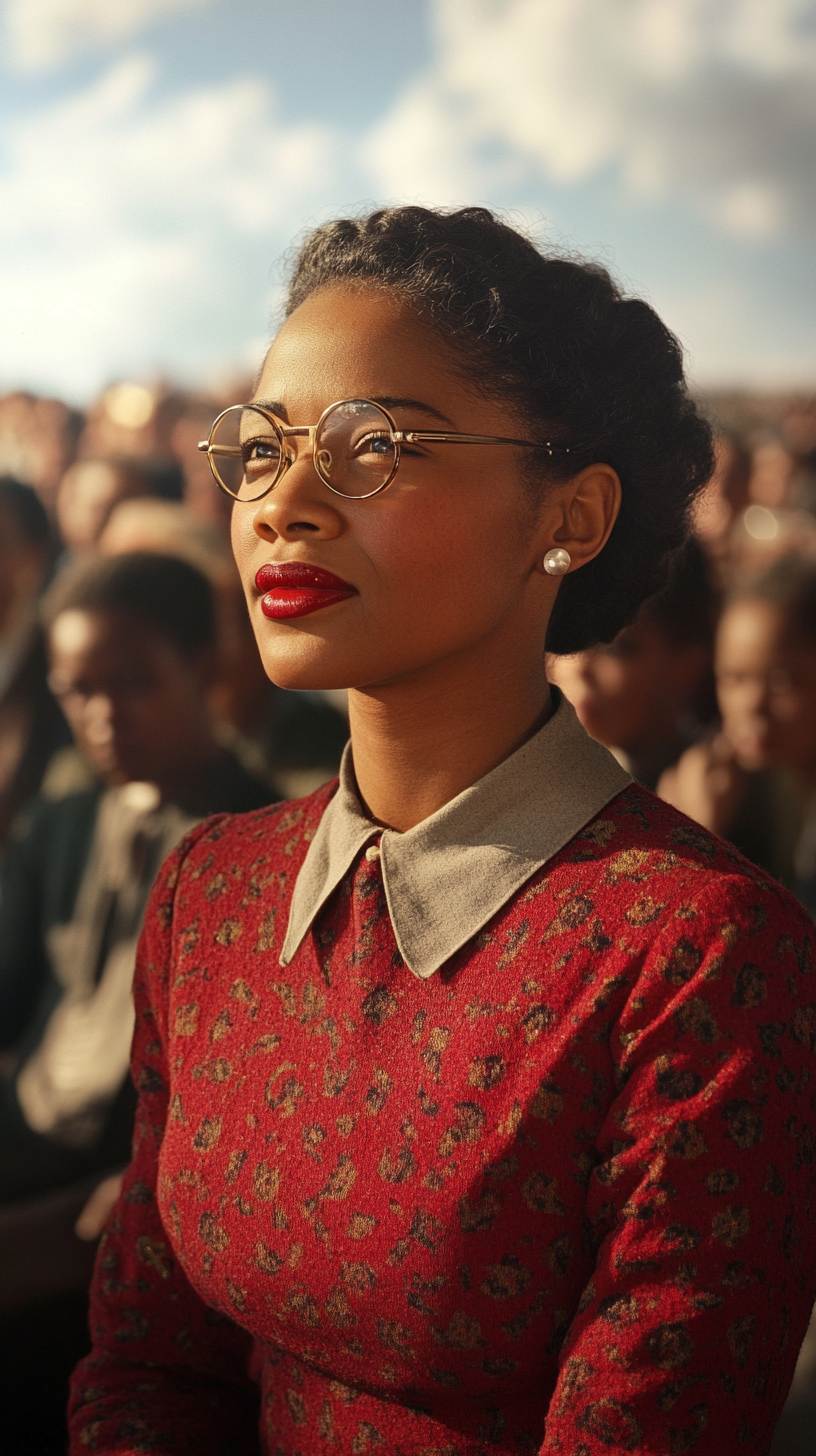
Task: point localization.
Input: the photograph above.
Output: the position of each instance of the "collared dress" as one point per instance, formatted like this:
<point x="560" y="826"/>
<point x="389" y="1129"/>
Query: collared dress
<point x="493" y="1136"/>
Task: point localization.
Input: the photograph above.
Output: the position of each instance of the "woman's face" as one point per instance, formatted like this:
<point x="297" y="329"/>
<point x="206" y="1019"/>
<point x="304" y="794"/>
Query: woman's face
<point x="449" y="554"/>
<point x="766" y="686"/>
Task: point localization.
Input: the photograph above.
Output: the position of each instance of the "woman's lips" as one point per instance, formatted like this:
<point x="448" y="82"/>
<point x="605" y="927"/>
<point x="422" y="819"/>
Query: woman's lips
<point x="294" y="589"/>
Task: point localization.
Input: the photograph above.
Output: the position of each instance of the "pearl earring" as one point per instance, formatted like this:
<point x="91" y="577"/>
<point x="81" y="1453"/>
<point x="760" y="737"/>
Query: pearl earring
<point x="558" y="561"/>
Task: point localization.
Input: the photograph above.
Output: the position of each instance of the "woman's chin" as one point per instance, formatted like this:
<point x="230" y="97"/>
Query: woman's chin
<point x="305" y="675"/>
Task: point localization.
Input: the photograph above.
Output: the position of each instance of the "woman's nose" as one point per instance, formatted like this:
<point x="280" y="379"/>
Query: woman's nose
<point x="299" y="505"/>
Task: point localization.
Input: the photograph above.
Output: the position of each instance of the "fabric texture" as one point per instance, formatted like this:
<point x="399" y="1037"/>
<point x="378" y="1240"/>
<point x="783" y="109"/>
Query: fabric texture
<point x="555" y="1198"/>
<point x="449" y="875"/>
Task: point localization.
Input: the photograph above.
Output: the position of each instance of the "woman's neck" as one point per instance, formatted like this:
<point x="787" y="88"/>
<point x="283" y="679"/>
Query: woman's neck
<point x="422" y="740"/>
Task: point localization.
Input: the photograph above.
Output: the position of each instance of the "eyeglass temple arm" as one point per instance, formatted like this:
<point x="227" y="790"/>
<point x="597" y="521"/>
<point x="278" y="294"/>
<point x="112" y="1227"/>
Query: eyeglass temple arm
<point x="235" y="450"/>
<point x="404" y="437"/>
<point x="409" y="436"/>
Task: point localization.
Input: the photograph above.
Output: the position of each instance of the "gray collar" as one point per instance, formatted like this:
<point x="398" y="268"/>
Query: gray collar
<point x="446" y="877"/>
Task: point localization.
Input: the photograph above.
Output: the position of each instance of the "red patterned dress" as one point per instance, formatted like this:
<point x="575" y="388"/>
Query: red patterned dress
<point x="548" y="1190"/>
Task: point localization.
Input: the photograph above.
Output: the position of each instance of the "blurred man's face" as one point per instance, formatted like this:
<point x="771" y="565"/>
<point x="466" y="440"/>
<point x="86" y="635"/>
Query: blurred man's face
<point x="766" y="686"/>
<point x="137" y="708"/>
<point x="631" y="694"/>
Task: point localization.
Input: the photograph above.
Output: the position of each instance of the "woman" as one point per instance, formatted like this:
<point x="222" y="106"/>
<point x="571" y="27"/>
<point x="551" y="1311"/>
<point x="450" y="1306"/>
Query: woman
<point x="474" y="1091"/>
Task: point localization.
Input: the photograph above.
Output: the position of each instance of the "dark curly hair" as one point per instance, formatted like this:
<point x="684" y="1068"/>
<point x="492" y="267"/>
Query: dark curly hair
<point x="556" y="338"/>
<point x="168" y="597"/>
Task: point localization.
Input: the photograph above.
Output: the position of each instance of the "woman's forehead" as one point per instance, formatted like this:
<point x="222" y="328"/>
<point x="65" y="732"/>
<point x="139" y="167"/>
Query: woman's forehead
<point x="357" y="343"/>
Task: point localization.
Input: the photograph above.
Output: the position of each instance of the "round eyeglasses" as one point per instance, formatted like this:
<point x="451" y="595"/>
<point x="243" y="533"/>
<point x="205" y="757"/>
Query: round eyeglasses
<point x="355" y="448"/>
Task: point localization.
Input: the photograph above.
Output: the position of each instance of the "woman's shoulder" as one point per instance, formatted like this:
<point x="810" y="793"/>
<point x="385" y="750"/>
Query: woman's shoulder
<point x="277" y="832"/>
<point x="642" y="843"/>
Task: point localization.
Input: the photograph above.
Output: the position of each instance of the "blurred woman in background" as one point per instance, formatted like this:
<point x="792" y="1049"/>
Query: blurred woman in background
<point x="649" y="694"/>
<point x="755" y="781"/>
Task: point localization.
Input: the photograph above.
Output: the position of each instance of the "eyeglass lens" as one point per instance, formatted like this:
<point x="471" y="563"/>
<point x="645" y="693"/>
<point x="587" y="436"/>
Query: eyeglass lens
<point x="353" y="451"/>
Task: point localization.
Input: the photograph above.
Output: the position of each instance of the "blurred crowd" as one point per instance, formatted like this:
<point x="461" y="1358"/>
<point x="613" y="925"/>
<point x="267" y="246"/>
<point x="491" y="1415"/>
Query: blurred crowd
<point x="133" y="702"/>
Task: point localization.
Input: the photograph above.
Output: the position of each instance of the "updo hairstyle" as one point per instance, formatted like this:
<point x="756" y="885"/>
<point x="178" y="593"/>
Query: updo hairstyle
<point x="584" y="365"/>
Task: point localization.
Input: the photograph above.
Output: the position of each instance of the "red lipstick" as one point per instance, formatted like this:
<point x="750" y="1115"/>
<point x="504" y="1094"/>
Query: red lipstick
<point x="294" y="589"/>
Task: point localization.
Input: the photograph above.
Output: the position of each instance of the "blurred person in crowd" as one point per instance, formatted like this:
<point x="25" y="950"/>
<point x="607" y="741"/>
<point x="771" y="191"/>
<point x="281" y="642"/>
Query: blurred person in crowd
<point x="32" y="726"/>
<point x="803" y="485"/>
<point x="762" y="535"/>
<point x="169" y="527"/>
<point x="156" y="523"/>
<point x="209" y="505"/>
<point x="38" y="440"/>
<point x="725" y="497"/>
<point x="292" y="740"/>
<point x="131" y="643"/>
<point x="773" y="467"/>
<point x="648" y="694"/>
<point x="91" y="488"/>
<point x="754" y="782"/>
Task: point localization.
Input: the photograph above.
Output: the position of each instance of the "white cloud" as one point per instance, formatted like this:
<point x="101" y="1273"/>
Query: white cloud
<point x="128" y="224"/>
<point x="45" y="33"/>
<point x="138" y="221"/>
<point x="733" y="337"/>
<point x="711" y="101"/>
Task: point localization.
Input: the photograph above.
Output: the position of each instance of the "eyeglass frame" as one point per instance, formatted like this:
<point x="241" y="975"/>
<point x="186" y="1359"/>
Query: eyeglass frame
<point x="398" y="438"/>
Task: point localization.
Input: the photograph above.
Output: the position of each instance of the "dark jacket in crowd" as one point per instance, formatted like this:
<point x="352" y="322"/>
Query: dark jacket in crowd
<point x="32" y="728"/>
<point x="74" y="887"/>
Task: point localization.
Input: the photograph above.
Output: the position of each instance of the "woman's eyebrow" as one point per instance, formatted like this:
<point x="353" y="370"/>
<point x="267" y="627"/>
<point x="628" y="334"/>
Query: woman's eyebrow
<point x="389" y="401"/>
<point x="274" y="407"/>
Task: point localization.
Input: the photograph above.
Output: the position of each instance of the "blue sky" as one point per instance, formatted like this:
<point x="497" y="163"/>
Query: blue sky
<point x="158" y="158"/>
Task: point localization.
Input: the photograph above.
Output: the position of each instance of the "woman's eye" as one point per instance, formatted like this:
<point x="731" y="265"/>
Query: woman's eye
<point x="374" y="445"/>
<point x="261" y="452"/>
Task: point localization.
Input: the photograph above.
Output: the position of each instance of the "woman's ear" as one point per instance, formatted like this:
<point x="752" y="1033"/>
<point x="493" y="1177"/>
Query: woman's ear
<point x="579" y="515"/>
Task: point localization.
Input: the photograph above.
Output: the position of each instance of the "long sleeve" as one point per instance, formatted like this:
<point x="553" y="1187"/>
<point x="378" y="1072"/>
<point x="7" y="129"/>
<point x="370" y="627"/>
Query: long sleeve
<point x="167" y="1373"/>
<point x="700" y="1211"/>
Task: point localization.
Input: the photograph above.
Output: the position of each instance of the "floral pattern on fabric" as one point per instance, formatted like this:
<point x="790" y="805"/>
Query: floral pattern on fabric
<point x="555" y="1199"/>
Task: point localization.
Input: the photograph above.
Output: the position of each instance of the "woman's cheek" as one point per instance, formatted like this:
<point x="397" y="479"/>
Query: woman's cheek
<point x="242" y="536"/>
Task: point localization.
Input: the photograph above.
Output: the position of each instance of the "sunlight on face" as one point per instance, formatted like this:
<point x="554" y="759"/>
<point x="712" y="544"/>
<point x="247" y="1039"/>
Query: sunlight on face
<point x="439" y="561"/>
